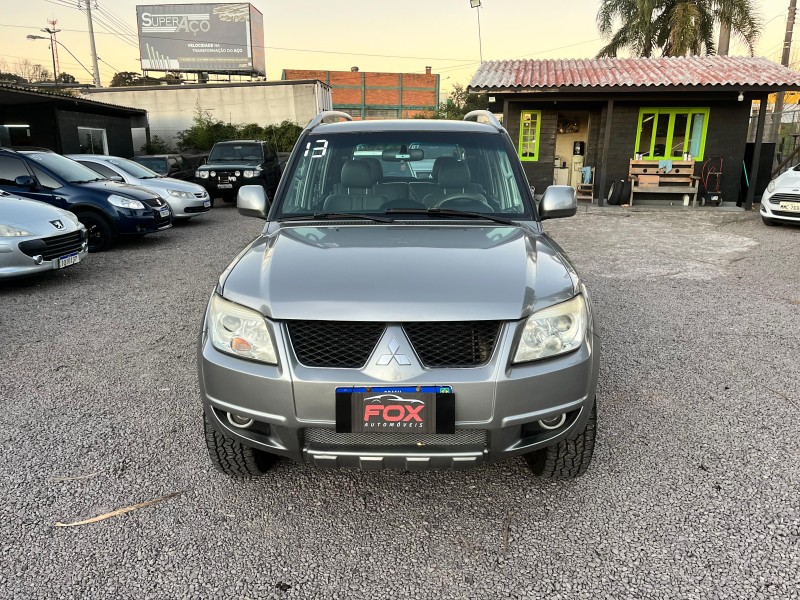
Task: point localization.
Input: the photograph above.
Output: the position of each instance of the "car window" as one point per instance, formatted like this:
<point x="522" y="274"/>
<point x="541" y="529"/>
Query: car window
<point x="370" y="172"/>
<point x="132" y="168"/>
<point x="159" y="165"/>
<point x="100" y="168"/>
<point x="10" y="169"/>
<point x="236" y="152"/>
<point x="45" y="180"/>
<point x="67" y="169"/>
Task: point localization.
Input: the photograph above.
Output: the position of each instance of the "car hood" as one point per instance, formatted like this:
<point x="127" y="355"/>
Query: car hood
<point x="790" y="179"/>
<point x="34" y="216"/>
<point x="161" y="184"/>
<point x="399" y="273"/>
<point x="226" y="166"/>
<point x="125" y="189"/>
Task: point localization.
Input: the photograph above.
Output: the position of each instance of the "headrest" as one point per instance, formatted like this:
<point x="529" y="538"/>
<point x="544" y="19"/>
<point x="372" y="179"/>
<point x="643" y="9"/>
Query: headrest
<point x="437" y="165"/>
<point x="375" y="165"/>
<point x="357" y="174"/>
<point x="454" y="175"/>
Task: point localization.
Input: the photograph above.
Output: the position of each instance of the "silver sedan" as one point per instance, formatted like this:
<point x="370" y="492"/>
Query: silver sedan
<point x="186" y="199"/>
<point x="36" y="237"/>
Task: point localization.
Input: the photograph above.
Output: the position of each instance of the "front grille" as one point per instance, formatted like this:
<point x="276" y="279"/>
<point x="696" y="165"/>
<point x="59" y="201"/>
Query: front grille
<point x="55" y="246"/>
<point x="155" y="202"/>
<point x="462" y="437"/>
<point x="787" y="213"/>
<point x="197" y="209"/>
<point x="334" y="344"/>
<point x="776" y="198"/>
<point x="199" y="194"/>
<point x="453" y="344"/>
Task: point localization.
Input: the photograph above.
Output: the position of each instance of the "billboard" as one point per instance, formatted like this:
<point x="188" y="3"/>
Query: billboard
<point x="215" y="38"/>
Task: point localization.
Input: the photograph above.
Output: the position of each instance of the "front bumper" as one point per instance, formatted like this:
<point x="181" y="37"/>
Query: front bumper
<point x="771" y="210"/>
<point x="16" y="263"/>
<point x="138" y="222"/>
<point x="183" y="208"/>
<point x="497" y="406"/>
<point x="226" y="189"/>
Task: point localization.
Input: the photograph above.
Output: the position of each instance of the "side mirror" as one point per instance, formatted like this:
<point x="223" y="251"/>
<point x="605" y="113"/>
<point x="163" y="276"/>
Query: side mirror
<point x="558" y="201"/>
<point x="117" y="178"/>
<point x="25" y="181"/>
<point x="252" y="201"/>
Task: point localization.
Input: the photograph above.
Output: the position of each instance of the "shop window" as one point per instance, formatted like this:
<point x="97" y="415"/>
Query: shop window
<point x="669" y="133"/>
<point x="530" y="125"/>
<point x="92" y="141"/>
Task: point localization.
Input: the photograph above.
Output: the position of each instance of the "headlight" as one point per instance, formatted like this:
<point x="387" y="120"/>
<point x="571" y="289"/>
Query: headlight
<point x="10" y="231"/>
<point x="240" y="331"/>
<point x="201" y="174"/>
<point x="252" y="173"/>
<point x="771" y="186"/>
<point x="179" y="194"/>
<point x="123" y="202"/>
<point x="552" y="331"/>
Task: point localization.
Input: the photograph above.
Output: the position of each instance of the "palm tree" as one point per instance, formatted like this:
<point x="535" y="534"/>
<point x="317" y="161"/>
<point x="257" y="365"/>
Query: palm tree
<point x="674" y="27"/>
<point x="740" y="17"/>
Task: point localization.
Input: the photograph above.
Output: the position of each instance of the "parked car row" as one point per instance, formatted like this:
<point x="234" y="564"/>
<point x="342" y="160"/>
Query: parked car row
<point x="54" y="209"/>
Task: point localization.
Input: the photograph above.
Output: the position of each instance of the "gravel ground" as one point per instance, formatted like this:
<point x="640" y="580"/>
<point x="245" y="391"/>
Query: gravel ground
<point x="693" y="492"/>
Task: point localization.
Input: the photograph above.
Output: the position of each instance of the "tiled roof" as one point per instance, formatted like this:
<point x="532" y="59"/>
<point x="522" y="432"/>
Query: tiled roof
<point x="664" y="72"/>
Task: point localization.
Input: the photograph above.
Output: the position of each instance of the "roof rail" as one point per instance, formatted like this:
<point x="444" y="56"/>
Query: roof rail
<point x="483" y="116"/>
<point x="326" y="115"/>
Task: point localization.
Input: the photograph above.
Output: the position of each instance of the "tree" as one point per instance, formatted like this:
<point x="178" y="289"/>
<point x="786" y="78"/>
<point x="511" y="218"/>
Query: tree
<point x="11" y="78"/>
<point x="458" y="104"/>
<point x="33" y="73"/>
<point x="66" y="78"/>
<point x="124" y="79"/>
<point x="156" y="145"/>
<point x="674" y="27"/>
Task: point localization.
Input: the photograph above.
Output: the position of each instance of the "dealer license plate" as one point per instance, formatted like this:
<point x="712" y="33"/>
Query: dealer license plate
<point x="224" y="186"/>
<point x="68" y="260"/>
<point x="398" y="409"/>
<point x="207" y="204"/>
<point x="164" y="211"/>
<point x="792" y="206"/>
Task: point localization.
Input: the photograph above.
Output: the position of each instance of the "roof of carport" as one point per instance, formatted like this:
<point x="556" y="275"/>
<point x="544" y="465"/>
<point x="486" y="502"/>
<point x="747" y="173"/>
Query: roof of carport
<point x="13" y="95"/>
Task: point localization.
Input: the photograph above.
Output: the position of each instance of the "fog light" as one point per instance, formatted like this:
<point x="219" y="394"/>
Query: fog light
<point x="38" y="259"/>
<point x="554" y="422"/>
<point x="239" y="421"/>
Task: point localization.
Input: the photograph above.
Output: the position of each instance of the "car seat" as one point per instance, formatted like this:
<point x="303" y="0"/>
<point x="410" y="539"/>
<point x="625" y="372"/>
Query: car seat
<point x="454" y="178"/>
<point x="356" y="191"/>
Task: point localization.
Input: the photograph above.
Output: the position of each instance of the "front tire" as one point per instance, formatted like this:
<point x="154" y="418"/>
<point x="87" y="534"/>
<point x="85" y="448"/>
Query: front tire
<point x="101" y="234"/>
<point x="769" y="222"/>
<point x="234" y="458"/>
<point x="570" y="457"/>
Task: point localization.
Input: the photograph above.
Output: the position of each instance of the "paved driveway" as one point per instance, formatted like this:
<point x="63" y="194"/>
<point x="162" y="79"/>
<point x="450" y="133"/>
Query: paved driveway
<point x="693" y="493"/>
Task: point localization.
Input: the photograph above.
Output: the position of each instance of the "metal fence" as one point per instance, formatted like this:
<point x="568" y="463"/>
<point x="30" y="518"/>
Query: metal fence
<point x="782" y="129"/>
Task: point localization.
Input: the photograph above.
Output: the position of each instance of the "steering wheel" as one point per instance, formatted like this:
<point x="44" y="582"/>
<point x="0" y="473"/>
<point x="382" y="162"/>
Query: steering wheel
<point x="465" y="201"/>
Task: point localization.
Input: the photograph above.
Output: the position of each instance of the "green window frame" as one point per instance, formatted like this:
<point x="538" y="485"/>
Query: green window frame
<point x="530" y="126"/>
<point x="672" y="132"/>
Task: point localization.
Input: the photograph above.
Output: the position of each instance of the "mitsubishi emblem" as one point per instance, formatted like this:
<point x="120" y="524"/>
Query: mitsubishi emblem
<point x="57" y="224"/>
<point x="401" y="359"/>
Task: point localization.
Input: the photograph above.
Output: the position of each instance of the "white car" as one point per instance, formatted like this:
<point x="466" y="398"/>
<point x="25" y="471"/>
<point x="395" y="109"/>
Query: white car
<point x="186" y="199"/>
<point x="781" y="200"/>
<point x="36" y="237"/>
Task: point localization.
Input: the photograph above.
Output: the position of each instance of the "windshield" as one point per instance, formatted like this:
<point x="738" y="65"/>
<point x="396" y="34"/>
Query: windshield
<point x="384" y="173"/>
<point x="133" y="169"/>
<point x="159" y="165"/>
<point x="66" y="168"/>
<point x="236" y="152"/>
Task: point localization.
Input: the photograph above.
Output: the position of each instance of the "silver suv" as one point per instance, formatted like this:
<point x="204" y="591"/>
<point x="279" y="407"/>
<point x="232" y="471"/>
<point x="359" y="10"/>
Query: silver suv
<point x="391" y="316"/>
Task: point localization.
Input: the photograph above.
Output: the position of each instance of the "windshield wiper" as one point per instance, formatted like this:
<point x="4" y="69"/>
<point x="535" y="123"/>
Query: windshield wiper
<point x="336" y="215"/>
<point x="449" y="212"/>
<point x="91" y="180"/>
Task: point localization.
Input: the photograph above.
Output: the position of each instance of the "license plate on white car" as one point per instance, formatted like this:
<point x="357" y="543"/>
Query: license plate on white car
<point x="68" y="260"/>
<point x="164" y="211"/>
<point x="792" y="206"/>
<point x="225" y="186"/>
<point x="207" y="204"/>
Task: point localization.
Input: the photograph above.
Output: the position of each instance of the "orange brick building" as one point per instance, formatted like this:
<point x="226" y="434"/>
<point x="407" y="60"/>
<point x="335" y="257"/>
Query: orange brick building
<point x="377" y="95"/>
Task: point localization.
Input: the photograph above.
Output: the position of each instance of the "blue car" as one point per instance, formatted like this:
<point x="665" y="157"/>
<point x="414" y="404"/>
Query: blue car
<point x="106" y="208"/>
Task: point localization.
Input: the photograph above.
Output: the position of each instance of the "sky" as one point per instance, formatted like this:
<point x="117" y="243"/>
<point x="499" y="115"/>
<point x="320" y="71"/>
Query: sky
<point x="376" y="35"/>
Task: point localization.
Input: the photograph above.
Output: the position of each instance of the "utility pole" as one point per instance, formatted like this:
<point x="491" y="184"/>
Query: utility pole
<point x="787" y="48"/>
<point x="95" y="68"/>
<point x="53" y="45"/>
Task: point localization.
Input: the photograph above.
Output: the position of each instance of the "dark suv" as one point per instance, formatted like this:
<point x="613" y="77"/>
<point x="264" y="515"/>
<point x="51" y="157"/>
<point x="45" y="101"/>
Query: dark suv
<point x="106" y="208"/>
<point x="236" y="163"/>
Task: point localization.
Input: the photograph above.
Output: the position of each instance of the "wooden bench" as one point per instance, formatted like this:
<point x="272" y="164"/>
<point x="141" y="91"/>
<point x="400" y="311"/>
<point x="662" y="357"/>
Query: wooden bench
<point x="647" y="178"/>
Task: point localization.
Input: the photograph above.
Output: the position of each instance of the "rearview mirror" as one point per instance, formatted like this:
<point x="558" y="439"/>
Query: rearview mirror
<point x="25" y="181"/>
<point x="252" y="201"/>
<point x="558" y="201"/>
